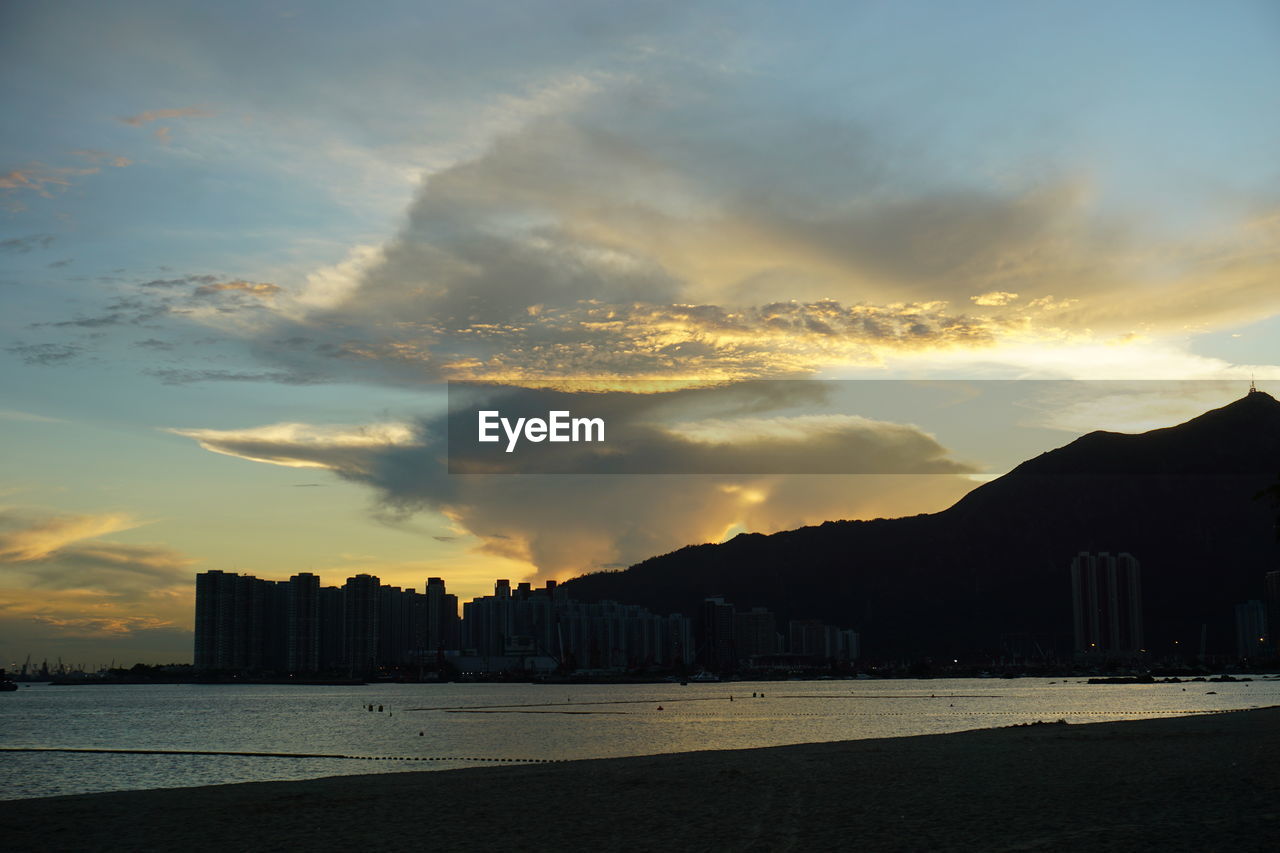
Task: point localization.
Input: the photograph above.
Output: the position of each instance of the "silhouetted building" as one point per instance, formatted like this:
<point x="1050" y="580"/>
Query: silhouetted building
<point x="1251" y="631"/>
<point x="813" y="638"/>
<point x="486" y="621"/>
<point x="302" y="635"/>
<point x="402" y="626"/>
<point x="755" y="632"/>
<point x="509" y="628"/>
<point x="237" y="623"/>
<point x="717" y="652"/>
<point x="333" y="615"/>
<point x="442" y="616"/>
<point x="1271" y="595"/>
<point x="360" y="624"/>
<point x="1106" y="592"/>
<point x="850" y="645"/>
<point x="275" y="626"/>
<point x="215" y="642"/>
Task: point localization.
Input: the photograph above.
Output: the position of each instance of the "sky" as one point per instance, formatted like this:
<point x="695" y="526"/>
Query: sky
<point x="244" y="246"/>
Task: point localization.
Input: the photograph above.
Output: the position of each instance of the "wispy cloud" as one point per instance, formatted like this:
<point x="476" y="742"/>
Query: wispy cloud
<point x="103" y="158"/>
<point x="44" y="180"/>
<point x="48" y="354"/>
<point x="24" y="537"/>
<point x="260" y="289"/>
<point x="12" y="415"/>
<point x="104" y="627"/>
<point x="22" y="245"/>
<point x="148" y="116"/>
<point x="60" y="578"/>
<point x="41" y="179"/>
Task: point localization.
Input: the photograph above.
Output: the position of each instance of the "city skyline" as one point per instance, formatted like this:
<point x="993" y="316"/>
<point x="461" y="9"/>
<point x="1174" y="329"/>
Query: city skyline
<point x="244" y="248"/>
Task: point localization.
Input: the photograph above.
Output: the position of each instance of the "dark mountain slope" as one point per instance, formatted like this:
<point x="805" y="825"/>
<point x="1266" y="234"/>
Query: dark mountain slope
<point x="992" y="572"/>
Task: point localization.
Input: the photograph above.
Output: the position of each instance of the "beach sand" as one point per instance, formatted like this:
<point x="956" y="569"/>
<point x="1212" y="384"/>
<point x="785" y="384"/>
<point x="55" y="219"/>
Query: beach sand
<point x="1200" y="783"/>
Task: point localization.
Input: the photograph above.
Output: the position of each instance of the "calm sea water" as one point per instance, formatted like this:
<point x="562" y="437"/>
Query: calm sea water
<point x="437" y="727"/>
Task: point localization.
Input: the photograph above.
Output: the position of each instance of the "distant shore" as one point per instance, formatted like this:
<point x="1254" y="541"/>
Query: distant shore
<point x="1206" y="782"/>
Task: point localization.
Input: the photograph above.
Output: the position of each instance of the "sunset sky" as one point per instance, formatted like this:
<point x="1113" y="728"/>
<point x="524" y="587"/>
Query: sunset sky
<point x="243" y="245"/>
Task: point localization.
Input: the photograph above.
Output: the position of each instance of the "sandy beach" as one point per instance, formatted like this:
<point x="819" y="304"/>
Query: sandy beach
<point x="1199" y="783"/>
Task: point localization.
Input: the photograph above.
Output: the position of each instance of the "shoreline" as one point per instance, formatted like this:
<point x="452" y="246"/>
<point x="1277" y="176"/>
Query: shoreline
<point x="1201" y="782"/>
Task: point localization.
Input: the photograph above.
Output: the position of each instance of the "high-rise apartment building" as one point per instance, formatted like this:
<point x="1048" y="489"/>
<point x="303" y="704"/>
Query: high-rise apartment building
<point x="1251" y="631"/>
<point x="442" y="616"/>
<point x="1106" y="594"/>
<point x="360" y="624"/>
<point x="302" y="621"/>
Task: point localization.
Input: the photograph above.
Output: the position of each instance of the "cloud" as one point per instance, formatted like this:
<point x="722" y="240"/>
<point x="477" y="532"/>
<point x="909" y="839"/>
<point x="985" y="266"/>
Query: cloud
<point x="12" y="415"/>
<point x="102" y="157"/>
<point x="155" y="344"/>
<point x="593" y="242"/>
<point x="995" y="297"/>
<point x="113" y="319"/>
<point x="65" y="556"/>
<point x="192" y="297"/>
<point x="24" y="538"/>
<point x="42" y="179"/>
<point x="108" y="627"/>
<point x="22" y="245"/>
<point x="183" y="376"/>
<point x="572" y="522"/>
<point x="260" y="289"/>
<point x="149" y="116"/>
<point x="62" y="583"/>
<point x="298" y="445"/>
<point x="46" y="355"/>
<point x="202" y="279"/>
<point x="649" y="225"/>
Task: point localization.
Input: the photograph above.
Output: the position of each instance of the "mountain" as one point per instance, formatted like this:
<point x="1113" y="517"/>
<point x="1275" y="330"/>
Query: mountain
<point x="991" y="574"/>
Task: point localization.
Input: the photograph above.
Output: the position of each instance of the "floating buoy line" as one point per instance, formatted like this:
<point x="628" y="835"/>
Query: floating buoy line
<point x="104" y="750"/>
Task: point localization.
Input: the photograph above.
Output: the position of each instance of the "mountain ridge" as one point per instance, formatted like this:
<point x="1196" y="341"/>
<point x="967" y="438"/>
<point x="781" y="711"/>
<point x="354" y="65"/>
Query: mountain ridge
<point x="996" y="564"/>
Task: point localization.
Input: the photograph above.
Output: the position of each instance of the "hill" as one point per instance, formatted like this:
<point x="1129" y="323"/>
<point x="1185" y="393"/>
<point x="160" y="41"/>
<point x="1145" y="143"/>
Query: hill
<point x="991" y="574"/>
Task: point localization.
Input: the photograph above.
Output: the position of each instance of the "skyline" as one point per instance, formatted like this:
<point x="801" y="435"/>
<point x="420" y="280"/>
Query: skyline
<point x="272" y="233"/>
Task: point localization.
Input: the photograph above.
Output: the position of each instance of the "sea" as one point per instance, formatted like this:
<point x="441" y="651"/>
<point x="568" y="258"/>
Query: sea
<point x="75" y="739"/>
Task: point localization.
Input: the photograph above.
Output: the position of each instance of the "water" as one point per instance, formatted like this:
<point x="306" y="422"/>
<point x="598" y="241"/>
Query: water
<point x="483" y="724"/>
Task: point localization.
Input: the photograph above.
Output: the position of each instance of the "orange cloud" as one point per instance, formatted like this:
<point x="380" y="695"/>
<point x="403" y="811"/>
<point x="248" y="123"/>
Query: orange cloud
<point x="39" y="178"/>
<point x="112" y="626"/>
<point x="31" y="539"/>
